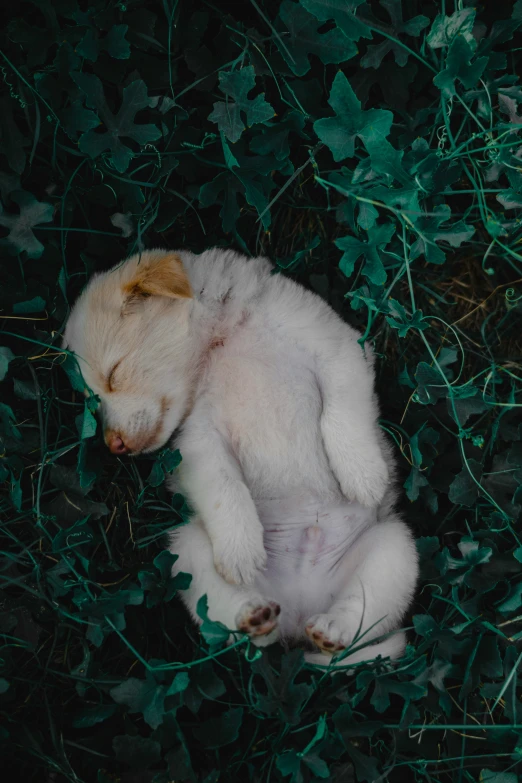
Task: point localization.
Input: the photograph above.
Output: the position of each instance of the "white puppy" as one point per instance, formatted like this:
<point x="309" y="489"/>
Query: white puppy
<point x="272" y="401"/>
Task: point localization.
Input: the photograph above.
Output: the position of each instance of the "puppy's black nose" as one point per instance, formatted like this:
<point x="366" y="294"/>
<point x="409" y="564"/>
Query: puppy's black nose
<point x="116" y="444"/>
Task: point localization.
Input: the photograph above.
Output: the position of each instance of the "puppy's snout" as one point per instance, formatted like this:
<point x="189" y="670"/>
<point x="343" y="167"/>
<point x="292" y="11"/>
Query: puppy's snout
<point x="115" y="443"/>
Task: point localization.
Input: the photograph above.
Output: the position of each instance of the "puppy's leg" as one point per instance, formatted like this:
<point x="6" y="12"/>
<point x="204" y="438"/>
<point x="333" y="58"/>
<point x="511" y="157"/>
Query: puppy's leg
<point x="349" y="418"/>
<point x="238" y="607"/>
<point x="381" y="573"/>
<point x="212" y="479"/>
<point x="349" y="424"/>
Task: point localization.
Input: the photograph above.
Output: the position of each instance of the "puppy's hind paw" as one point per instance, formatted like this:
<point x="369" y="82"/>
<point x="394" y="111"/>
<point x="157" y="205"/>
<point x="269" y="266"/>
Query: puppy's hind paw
<point x="259" y="620"/>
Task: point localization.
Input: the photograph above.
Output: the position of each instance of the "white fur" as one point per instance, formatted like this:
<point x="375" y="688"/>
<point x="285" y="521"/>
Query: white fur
<point x="283" y="460"/>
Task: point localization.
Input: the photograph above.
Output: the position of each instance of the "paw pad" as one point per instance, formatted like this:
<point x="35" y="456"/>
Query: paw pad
<point x="322" y="640"/>
<point x="258" y="619"/>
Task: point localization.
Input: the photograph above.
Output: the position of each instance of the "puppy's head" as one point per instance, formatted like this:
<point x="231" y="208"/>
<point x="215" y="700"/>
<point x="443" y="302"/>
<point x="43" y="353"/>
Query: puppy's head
<point x="130" y="333"/>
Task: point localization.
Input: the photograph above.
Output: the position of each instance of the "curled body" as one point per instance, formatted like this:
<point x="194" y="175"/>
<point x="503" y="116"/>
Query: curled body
<point x="271" y="401"/>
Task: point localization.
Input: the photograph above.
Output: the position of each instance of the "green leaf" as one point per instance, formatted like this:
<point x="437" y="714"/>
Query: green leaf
<point x="339" y="132"/>
<point x="179" y="684"/>
<point x="459" y="67"/>
<point x="236" y="85"/>
<point x="70" y="365"/>
<point x="35" y="305"/>
<point x="304" y="39"/>
<point x="86" y="423"/>
<point x="120" y="125"/>
<point x="375" y="54"/>
<point x="366" y="767"/>
<point x="289" y="763"/>
<point x="491" y="776"/>
<point x="90" y="716"/>
<point x="400" y="320"/>
<point x="430" y="384"/>
<point x="214" y="633"/>
<point x="76" y="119"/>
<point x="32" y="212"/>
<point x="446" y="28"/>
<point x="273" y="138"/>
<point x="137" y="752"/>
<point x="144" y="696"/>
<point x="166" y="462"/>
<point x="284" y="696"/>
<point x="373" y="269"/>
<point x="464" y="490"/>
<point x="343" y="13"/>
<point x="431" y="231"/>
<point x="13" y="142"/>
<point x="77" y="535"/>
<point x="316" y="765"/>
<point x="6" y="356"/>
<point x="219" y="731"/>
<point x="116" y="44"/>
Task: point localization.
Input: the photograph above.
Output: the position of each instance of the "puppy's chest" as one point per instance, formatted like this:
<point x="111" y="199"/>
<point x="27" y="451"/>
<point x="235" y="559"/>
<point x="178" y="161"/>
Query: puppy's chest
<point x="269" y="406"/>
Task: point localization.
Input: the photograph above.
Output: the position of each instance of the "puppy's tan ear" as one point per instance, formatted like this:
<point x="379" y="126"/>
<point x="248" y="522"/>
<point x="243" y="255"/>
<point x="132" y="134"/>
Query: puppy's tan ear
<point x="165" y="276"/>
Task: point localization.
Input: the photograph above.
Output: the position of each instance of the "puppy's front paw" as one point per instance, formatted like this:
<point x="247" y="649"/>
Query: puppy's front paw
<point x="239" y="562"/>
<point x="365" y="479"/>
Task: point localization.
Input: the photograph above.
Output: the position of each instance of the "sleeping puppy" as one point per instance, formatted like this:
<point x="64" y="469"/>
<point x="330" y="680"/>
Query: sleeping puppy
<point x="271" y="400"/>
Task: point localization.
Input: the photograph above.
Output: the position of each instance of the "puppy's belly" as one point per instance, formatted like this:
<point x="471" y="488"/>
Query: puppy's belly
<point x="307" y="542"/>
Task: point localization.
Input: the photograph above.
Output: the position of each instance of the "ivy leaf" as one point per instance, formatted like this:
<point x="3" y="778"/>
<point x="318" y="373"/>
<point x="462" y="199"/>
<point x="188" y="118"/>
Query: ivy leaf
<point x="343" y="13"/>
<point x="274" y="138"/>
<point x="32" y="212"/>
<point x="445" y="28"/>
<point x="367" y="216"/>
<point x="373" y="269"/>
<point x="214" y="633"/>
<point x="430" y="384"/>
<point x="6" y="356"/>
<point x="339" y="132"/>
<point x="237" y="85"/>
<point x="164" y="587"/>
<point x="219" y="731"/>
<point x="120" y="125"/>
<point x="76" y="119"/>
<point x="144" y="696"/>
<point x="90" y="716"/>
<point x="13" y="142"/>
<point x="366" y="767"/>
<point x="508" y="105"/>
<point x="289" y="763"/>
<point x="464" y="489"/>
<point x="284" y="696"/>
<point x="385" y="159"/>
<point x="304" y="40"/>
<point x="403" y="322"/>
<point x="116" y="44"/>
<point x="386" y="685"/>
<point x="458" y="67"/>
<point x="137" y="752"/>
<point x="431" y="231"/>
<point x="375" y="54"/>
<point x="86" y="422"/>
<point x="491" y="776"/>
<point x="166" y="462"/>
<point x="34" y="305"/>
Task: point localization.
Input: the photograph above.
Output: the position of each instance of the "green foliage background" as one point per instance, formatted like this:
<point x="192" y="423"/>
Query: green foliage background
<point x="372" y="150"/>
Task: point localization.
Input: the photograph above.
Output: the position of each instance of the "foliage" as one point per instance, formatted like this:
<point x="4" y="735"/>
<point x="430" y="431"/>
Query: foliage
<point x="372" y="150"/>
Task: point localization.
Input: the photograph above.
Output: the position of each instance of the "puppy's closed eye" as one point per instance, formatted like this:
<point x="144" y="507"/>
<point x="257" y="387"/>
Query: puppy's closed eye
<point x="110" y="378"/>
